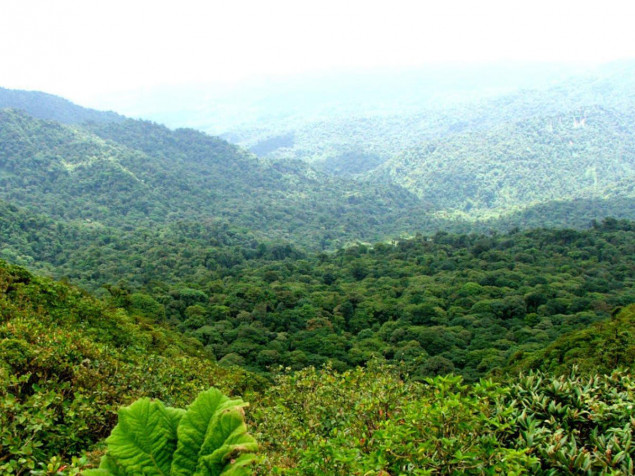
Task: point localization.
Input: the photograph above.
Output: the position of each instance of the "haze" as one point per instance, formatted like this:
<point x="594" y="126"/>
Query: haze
<point x="84" y="50"/>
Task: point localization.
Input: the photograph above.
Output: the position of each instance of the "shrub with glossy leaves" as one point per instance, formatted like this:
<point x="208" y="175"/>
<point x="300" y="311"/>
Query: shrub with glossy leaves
<point x="372" y="422"/>
<point x="574" y="424"/>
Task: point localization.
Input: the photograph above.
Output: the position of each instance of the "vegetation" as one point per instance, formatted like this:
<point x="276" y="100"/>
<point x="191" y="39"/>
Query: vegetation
<point x="68" y="362"/>
<point x="462" y="303"/>
<point x="601" y="347"/>
<point x="581" y="153"/>
<point x="53" y="108"/>
<point x="125" y="174"/>
<point x="466" y="303"/>
<point x="209" y="439"/>
<point x="387" y="116"/>
<point x="371" y="421"/>
<point x="133" y="173"/>
<point x="464" y="350"/>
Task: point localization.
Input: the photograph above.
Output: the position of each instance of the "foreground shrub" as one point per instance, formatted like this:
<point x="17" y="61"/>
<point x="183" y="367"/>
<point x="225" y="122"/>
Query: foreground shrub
<point x="68" y="362"/>
<point x="371" y="422"/>
<point x="573" y="424"/>
<point x="209" y="439"/>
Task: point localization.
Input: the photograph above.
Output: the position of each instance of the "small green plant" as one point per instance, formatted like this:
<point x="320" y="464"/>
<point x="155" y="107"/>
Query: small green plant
<point x="208" y="439"/>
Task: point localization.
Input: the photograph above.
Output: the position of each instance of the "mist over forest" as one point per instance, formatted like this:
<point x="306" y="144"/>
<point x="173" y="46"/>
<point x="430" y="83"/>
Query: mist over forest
<point x="314" y="247"/>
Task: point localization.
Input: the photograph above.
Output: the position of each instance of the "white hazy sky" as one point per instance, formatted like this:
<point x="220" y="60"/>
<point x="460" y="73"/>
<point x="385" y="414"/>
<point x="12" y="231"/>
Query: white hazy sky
<point x="83" y="48"/>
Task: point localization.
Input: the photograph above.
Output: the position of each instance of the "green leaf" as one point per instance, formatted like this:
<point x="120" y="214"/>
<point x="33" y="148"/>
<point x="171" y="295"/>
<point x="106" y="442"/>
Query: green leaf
<point x="212" y="435"/>
<point x="144" y="439"/>
<point x="209" y="439"/>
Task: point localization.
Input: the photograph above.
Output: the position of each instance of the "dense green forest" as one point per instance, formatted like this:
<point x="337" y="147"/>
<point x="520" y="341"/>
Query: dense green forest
<point x="463" y="305"/>
<point x="434" y="303"/>
<point x="132" y="173"/>
<point x="484" y="165"/>
<point x="68" y="362"/>
<point x="587" y="153"/>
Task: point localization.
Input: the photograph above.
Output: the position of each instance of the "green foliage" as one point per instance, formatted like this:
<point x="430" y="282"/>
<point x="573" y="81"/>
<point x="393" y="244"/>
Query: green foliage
<point x="110" y="177"/>
<point x="372" y="422"/>
<point x="601" y="347"/>
<point x="210" y="438"/>
<point x="298" y="418"/>
<point x="372" y="123"/>
<point x="471" y="302"/>
<point x="139" y="213"/>
<point x="50" y="107"/>
<point x="68" y="362"/>
<point x="573" y="424"/>
<point x="573" y="154"/>
<point x="129" y="173"/>
<point x="519" y="294"/>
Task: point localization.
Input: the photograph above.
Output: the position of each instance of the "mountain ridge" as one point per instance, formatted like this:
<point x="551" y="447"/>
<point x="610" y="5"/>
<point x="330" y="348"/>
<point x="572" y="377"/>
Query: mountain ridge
<point x="580" y="154"/>
<point x="51" y="107"/>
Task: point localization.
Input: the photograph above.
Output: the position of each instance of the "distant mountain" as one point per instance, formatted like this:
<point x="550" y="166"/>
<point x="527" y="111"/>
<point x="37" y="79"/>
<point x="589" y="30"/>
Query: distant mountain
<point x="133" y="173"/>
<point x="50" y="107"/>
<point x="358" y="140"/>
<point x="577" y="214"/>
<point x="129" y="174"/>
<point x="349" y="124"/>
<point x="586" y="153"/>
<point x="278" y="103"/>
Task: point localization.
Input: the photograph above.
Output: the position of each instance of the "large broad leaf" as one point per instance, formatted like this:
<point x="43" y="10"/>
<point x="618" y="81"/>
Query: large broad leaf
<point x="211" y="436"/>
<point x="209" y="439"/>
<point x="144" y="439"/>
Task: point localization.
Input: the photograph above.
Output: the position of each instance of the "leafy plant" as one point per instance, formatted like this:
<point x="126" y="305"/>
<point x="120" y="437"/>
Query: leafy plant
<point x="369" y="421"/>
<point x="68" y="363"/>
<point x="208" y="439"/>
<point x="574" y="424"/>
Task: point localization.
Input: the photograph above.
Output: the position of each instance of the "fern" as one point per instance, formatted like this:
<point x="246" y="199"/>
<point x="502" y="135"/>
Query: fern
<point x="209" y="439"/>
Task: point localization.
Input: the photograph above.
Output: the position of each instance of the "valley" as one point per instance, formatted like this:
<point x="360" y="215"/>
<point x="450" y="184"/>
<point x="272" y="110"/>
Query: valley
<point x="437" y="283"/>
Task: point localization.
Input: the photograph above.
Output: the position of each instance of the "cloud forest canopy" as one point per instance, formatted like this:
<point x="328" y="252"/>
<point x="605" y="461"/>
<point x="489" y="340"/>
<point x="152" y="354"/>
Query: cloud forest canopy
<point x="355" y="298"/>
<point x="125" y="173"/>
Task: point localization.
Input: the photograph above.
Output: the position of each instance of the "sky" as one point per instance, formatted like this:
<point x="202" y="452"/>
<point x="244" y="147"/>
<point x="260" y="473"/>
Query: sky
<point x="81" y="49"/>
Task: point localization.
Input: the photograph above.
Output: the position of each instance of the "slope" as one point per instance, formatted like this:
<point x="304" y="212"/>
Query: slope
<point x="93" y="256"/>
<point x="48" y="106"/>
<point x="437" y="303"/>
<point x="601" y="347"/>
<point x="68" y="361"/>
<point x="131" y="173"/>
<point x="588" y="153"/>
<point x="437" y="104"/>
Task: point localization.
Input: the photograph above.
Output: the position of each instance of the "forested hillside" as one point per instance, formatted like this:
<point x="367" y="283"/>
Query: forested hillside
<point x="133" y="173"/>
<point x="484" y="164"/>
<point x="433" y="302"/>
<point x="463" y="306"/>
<point x="50" y="107"/>
<point x="462" y="303"/>
<point x="588" y="153"/>
<point x="602" y="347"/>
<point x="68" y="361"/>
<point x="433" y="106"/>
